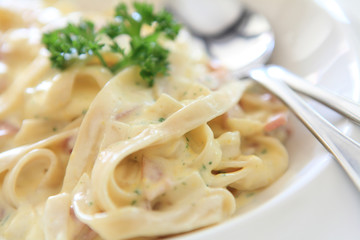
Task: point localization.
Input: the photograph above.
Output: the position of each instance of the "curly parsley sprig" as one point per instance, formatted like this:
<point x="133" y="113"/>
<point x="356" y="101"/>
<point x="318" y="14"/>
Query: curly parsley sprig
<point x="79" y="42"/>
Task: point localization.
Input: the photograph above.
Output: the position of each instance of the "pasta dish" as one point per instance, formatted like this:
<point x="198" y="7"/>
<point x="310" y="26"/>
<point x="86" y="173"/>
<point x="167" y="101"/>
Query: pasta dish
<point x="89" y="154"/>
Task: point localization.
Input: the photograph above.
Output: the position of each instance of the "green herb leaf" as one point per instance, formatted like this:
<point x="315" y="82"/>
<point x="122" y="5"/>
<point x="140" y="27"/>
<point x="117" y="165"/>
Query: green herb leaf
<point x="74" y="43"/>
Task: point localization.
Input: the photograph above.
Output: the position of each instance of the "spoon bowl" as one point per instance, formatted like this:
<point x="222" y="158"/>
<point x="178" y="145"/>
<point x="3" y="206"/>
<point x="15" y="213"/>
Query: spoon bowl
<point x="236" y="36"/>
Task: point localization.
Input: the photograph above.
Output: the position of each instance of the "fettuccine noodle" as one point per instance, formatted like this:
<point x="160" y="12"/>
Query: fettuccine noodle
<point x="86" y="154"/>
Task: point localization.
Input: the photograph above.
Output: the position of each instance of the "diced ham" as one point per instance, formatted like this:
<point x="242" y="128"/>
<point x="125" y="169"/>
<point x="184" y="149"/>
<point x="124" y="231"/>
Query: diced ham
<point x="219" y="72"/>
<point x="7" y="129"/>
<point x="125" y="113"/>
<point x="151" y="171"/>
<point x="275" y="122"/>
<point x="68" y="144"/>
<point x="154" y="177"/>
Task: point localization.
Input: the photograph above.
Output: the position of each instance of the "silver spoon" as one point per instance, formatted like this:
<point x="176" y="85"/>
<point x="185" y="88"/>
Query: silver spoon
<point x="243" y="41"/>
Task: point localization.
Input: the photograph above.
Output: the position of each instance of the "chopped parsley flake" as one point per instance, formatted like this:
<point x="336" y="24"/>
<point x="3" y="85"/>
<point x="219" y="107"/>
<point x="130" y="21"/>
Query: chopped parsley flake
<point x="250" y="194"/>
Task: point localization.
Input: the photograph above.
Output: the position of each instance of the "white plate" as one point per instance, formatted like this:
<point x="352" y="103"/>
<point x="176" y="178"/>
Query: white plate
<point x="314" y="199"/>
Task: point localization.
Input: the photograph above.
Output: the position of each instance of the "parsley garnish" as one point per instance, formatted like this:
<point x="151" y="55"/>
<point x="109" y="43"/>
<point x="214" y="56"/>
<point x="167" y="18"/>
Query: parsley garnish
<point x="79" y="42"/>
<point x="74" y="42"/>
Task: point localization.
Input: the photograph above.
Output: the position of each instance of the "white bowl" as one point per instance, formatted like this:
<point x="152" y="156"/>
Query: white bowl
<point x="314" y="199"/>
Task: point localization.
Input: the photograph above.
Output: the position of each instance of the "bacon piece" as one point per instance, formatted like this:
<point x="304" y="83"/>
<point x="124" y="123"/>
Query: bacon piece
<point x="219" y="72"/>
<point x="275" y="121"/>
<point x="154" y="176"/>
<point x="151" y="171"/>
<point x="7" y="129"/>
<point x="68" y="144"/>
<point x="125" y="113"/>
